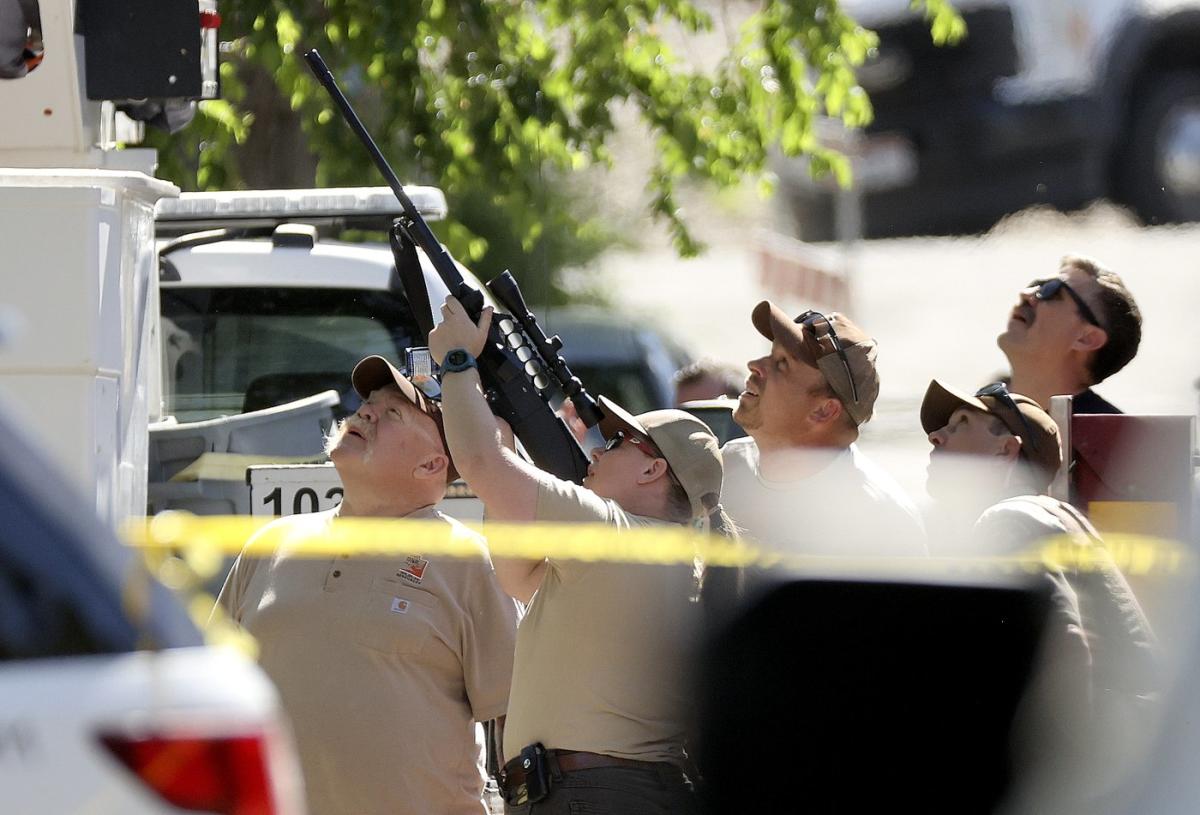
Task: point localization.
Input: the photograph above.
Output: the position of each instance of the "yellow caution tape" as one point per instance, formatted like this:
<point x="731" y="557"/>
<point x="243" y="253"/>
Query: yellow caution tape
<point x="204" y="538"/>
<point x="396" y="536"/>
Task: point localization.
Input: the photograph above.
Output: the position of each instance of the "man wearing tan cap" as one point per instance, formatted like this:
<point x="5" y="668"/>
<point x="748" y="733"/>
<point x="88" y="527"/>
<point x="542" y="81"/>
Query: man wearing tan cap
<point x="600" y="694"/>
<point x="799" y="483"/>
<point x="1070" y="332"/>
<point x="384" y="665"/>
<point x="1008" y="431"/>
<point x="994" y="455"/>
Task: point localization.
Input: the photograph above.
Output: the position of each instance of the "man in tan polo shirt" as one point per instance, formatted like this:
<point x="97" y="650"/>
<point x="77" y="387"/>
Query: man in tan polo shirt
<point x="600" y="694"/>
<point x="384" y="665"/>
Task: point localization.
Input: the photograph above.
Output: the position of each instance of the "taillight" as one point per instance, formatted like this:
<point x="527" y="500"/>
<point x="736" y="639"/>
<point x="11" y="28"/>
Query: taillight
<point x="224" y="774"/>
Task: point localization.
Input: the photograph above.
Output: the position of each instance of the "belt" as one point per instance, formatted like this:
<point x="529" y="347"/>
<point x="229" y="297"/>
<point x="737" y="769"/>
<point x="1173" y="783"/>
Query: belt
<point x="512" y="775"/>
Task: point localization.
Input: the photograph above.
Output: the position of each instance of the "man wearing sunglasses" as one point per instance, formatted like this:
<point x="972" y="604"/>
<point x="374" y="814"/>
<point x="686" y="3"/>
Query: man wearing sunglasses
<point x="1070" y="332"/>
<point x="600" y="698"/>
<point x="799" y="483"/>
<point x="994" y="455"/>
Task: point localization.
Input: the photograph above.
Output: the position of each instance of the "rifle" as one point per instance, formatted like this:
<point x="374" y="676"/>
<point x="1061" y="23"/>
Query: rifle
<point x="519" y="363"/>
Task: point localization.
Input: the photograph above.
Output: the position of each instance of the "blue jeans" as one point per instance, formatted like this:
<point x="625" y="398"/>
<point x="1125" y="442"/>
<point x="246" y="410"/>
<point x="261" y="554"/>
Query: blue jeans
<point x="655" y="790"/>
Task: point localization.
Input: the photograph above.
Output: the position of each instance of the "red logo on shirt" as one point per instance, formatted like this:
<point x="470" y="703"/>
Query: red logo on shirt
<point x="414" y="568"/>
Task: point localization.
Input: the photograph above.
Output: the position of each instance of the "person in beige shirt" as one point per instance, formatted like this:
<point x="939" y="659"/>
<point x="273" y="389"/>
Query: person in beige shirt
<point x="600" y="694"/>
<point x="384" y="665"/>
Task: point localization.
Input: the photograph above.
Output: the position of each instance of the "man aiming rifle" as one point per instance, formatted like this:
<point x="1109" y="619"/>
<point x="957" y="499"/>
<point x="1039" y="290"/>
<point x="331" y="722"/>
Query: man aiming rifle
<point x="599" y="704"/>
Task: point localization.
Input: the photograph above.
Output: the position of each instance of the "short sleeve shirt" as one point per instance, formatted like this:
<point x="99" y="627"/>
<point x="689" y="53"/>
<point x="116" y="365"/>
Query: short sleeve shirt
<point x="848" y="508"/>
<point x="383" y="665"/>
<point x="603" y="652"/>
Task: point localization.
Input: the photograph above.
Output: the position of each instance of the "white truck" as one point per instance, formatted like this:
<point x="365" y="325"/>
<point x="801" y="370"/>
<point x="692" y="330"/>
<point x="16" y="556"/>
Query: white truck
<point x="111" y="702"/>
<point x="1056" y="102"/>
<point x="263" y="317"/>
<point x="264" y="314"/>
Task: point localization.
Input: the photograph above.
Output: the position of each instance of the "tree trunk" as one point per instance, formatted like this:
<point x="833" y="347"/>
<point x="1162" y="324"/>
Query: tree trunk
<point x="275" y="155"/>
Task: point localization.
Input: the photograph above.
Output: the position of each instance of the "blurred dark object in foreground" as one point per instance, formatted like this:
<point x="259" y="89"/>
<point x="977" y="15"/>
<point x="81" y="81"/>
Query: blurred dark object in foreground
<point x="849" y="696"/>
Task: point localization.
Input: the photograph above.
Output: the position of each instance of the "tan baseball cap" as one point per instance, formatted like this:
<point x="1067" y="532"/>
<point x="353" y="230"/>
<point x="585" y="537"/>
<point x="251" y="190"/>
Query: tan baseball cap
<point x="812" y="344"/>
<point x="1021" y="415"/>
<point x="375" y="372"/>
<point x="689" y="446"/>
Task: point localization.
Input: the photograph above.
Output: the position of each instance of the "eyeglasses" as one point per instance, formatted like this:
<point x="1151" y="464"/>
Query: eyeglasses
<point x="620" y="437"/>
<point x="813" y="319"/>
<point x="1049" y="289"/>
<point x="999" y="391"/>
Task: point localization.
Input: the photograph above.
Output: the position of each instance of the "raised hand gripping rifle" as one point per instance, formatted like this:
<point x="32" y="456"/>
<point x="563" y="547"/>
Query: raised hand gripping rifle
<point x="519" y="363"/>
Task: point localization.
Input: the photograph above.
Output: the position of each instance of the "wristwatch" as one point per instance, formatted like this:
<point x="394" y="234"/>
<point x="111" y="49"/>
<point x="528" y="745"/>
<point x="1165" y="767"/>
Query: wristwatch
<point x="457" y="359"/>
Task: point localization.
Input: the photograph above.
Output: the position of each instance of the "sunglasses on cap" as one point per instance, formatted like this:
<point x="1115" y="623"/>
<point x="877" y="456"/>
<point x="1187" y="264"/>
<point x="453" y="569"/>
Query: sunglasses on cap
<point x="1050" y="288"/>
<point x="1000" y="392"/>
<point x="816" y="320"/>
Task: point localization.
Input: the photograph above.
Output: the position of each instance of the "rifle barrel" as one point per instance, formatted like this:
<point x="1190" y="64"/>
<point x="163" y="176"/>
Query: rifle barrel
<point x="415" y="226"/>
<point x="510" y="391"/>
<point x="325" y="77"/>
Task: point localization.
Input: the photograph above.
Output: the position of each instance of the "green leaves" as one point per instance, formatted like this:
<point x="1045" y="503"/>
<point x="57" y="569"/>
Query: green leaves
<point x="502" y="101"/>
<point x="946" y="26"/>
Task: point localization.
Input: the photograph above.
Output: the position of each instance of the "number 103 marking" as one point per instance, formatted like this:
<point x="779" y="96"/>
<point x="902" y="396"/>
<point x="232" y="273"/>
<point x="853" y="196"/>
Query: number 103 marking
<point x="305" y="499"/>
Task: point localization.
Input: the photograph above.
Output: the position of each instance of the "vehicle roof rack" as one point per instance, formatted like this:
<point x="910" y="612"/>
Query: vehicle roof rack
<point x="347" y="207"/>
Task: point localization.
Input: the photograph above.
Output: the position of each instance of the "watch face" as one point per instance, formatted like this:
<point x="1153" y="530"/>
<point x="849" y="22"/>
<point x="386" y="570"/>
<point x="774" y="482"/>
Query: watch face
<point x="456" y="357"/>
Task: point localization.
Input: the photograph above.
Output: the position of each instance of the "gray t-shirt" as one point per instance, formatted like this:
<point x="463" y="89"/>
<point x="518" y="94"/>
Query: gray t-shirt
<point x="848" y="507"/>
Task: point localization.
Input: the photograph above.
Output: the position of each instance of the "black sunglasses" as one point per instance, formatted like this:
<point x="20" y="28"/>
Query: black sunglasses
<point x="999" y="391"/>
<point x="1049" y="289"/>
<point x="620" y="438"/>
<point x="813" y="319"/>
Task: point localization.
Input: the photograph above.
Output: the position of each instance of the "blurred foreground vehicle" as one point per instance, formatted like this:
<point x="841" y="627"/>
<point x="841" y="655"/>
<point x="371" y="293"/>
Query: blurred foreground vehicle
<point x="111" y="702"/>
<point x="1058" y="102"/>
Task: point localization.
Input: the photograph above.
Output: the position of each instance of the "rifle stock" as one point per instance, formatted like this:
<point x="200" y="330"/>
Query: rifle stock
<point x="514" y="388"/>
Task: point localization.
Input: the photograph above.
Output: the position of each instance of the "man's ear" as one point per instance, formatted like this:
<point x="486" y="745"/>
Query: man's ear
<point x="432" y="466"/>
<point x="655" y="469"/>
<point x="1091" y="338"/>
<point x="1010" y="448"/>
<point x="827" y="411"/>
